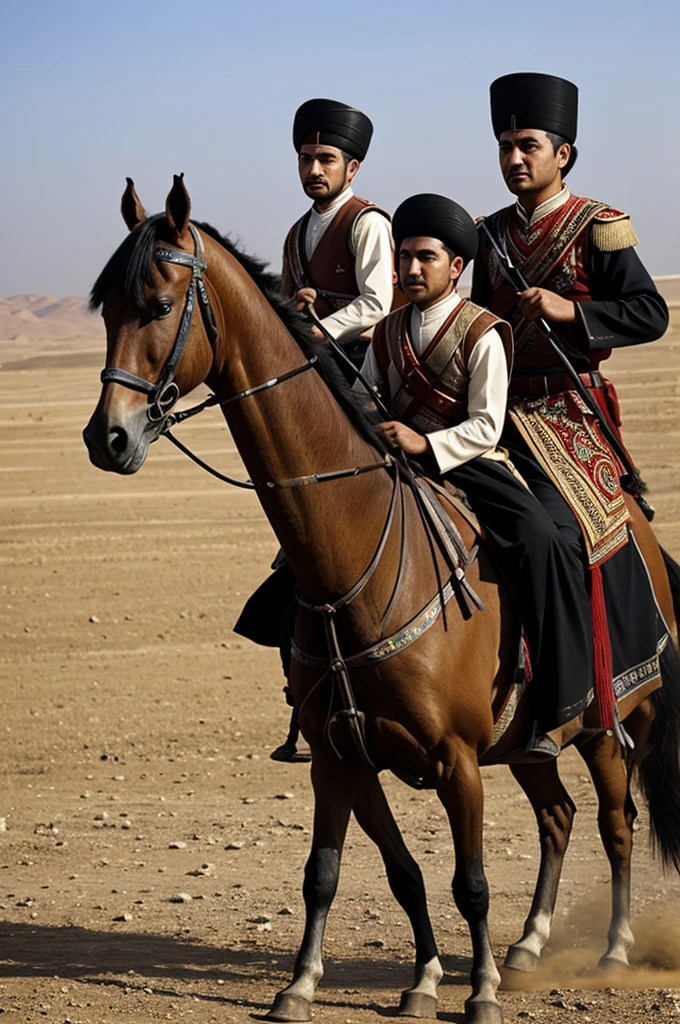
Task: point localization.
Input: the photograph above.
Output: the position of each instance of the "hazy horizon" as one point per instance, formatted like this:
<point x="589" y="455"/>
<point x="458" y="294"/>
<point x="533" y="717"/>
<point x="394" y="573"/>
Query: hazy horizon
<point x="95" y="94"/>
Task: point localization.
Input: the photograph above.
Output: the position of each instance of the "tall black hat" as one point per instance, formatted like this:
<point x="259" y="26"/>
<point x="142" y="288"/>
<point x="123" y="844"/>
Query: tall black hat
<point x="433" y="216"/>
<point x="529" y="100"/>
<point x="330" y="123"/>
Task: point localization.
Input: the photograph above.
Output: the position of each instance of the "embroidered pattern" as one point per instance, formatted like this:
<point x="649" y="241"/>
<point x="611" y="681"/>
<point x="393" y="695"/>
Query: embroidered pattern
<point x="537" y="250"/>
<point x="630" y="680"/>
<point x="551" y="254"/>
<point x="568" y="444"/>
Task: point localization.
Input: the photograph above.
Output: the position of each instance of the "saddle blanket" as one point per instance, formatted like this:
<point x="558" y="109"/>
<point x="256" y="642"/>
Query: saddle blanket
<point x="569" y="446"/>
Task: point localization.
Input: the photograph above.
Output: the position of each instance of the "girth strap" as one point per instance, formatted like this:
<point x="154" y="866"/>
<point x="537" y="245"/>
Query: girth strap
<point x="338" y="666"/>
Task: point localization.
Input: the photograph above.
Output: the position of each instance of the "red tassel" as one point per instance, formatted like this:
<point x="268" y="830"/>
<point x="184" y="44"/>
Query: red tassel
<point x="602" y="651"/>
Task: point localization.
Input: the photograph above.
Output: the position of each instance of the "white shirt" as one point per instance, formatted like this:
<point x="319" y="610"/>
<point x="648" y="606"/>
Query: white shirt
<point x="487" y="391"/>
<point x="371" y="245"/>
<point x="543" y="209"/>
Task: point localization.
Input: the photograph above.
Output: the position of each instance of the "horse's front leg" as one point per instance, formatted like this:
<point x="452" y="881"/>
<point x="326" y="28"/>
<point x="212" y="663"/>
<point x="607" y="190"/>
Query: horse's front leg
<point x="616" y="814"/>
<point x="554" y="811"/>
<point x="463" y="797"/>
<point x="406" y="882"/>
<point x="334" y="790"/>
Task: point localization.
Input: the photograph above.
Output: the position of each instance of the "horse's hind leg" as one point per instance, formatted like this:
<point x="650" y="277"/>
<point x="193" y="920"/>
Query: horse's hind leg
<point x="615" y="818"/>
<point x="334" y="790"/>
<point x="554" y="811"/>
<point x="406" y="882"/>
<point x="463" y="797"/>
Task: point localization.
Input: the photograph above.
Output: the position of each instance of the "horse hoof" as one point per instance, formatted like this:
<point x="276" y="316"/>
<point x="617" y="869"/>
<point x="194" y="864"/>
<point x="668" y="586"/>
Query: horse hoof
<point x="417" y="1004"/>
<point x="290" y="1008"/>
<point x="518" y="959"/>
<point x="612" y="966"/>
<point x="483" y="1012"/>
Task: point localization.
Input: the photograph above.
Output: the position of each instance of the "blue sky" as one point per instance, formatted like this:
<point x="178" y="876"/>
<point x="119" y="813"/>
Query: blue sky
<point x="94" y="92"/>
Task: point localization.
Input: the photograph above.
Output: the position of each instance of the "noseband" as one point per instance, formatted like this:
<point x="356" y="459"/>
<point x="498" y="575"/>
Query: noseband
<point x="163" y="394"/>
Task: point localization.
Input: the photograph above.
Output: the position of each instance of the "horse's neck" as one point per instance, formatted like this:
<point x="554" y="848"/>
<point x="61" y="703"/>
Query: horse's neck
<point x="328" y="530"/>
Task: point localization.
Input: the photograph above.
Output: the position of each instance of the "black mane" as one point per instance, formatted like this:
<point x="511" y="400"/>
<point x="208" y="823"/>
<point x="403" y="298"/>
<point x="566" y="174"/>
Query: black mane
<point x="129" y="269"/>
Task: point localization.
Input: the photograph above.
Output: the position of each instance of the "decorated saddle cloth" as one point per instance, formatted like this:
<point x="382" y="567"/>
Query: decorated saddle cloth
<point x="568" y="444"/>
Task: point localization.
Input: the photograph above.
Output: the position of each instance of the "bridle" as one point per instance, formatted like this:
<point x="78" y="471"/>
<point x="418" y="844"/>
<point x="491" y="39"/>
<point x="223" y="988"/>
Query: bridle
<point x="163" y="394"/>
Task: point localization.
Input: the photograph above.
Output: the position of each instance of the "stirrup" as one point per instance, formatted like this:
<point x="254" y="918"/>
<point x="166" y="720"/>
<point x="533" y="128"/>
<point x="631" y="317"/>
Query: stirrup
<point x="541" y="747"/>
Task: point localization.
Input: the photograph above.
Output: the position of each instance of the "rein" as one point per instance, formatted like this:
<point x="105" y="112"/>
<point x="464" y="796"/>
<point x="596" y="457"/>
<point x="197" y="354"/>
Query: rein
<point x="295" y="481"/>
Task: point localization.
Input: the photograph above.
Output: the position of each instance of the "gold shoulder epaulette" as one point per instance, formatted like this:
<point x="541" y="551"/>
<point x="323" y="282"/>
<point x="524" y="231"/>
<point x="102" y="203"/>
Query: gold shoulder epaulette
<point x="612" y="230"/>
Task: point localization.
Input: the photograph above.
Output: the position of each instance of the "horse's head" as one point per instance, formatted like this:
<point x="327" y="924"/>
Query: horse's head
<point x="156" y="349"/>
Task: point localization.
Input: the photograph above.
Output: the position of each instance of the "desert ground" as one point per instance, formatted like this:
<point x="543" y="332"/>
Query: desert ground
<point x="151" y="853"/>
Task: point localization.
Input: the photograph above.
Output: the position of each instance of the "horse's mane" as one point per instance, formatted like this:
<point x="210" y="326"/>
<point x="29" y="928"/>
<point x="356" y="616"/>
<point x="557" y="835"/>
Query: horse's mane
<point x="129" y="269"/>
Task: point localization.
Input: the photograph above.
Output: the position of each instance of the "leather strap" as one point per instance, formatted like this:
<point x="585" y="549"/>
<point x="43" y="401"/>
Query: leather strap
<point x="538" y="386"/>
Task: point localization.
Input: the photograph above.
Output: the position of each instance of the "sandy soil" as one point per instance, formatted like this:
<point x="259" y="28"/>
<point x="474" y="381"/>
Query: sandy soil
<point x="135" y="771"/>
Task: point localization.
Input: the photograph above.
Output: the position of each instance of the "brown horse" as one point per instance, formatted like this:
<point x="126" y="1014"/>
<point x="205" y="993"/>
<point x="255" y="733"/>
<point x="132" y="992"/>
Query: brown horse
<point x="366" y="566"/>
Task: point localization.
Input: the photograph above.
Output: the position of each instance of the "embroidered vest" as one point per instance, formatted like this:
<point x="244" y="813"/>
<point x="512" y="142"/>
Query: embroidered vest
<point x="429" y="392"/>
<point x="552" y="254"/>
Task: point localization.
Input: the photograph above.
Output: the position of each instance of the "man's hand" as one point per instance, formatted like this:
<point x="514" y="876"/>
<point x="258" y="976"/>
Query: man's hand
<point x="317" y="332"/>
<point x="539" y="302"/>
<point x="305" y="297"/>
<point x="401" y="436"/>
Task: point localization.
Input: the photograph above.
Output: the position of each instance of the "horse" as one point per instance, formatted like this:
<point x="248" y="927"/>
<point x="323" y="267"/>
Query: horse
<point x="394" y="667"/>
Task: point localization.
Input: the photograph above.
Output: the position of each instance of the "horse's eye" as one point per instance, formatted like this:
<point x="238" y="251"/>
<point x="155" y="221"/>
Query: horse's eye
<point x="162" y="309"/>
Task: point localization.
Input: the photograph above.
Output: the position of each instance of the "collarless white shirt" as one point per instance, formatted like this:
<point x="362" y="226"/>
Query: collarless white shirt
<point x="543" y="209"/>
<point x="318" y="222"/>
<point x="487" y="394"/>
<point x="425" y="323"/>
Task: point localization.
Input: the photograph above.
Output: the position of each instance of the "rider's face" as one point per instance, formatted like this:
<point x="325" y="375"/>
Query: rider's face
<point x="324" y="173"/>
<point x="529" y="162"/>
<point x="426" y="271"/>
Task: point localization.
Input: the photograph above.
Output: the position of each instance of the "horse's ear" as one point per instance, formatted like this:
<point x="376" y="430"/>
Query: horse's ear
<point x="131" y="208"/>
<point x="178" y="207"/>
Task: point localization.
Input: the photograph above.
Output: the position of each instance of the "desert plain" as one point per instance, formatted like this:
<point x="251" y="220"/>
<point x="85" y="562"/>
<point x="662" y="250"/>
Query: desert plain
<point x="151" y="853"/>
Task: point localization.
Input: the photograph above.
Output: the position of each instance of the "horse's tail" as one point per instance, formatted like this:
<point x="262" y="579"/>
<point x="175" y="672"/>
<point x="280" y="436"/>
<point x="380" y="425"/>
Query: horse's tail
<point x="659" y="769"/>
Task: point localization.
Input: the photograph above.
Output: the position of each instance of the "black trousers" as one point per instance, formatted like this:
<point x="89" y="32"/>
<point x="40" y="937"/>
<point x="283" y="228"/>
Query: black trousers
<point x="538" y="544"/>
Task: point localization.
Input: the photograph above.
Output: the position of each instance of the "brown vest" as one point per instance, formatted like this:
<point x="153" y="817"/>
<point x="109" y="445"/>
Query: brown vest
<point x="431" y="391"/>
<point x="331" y="269"/>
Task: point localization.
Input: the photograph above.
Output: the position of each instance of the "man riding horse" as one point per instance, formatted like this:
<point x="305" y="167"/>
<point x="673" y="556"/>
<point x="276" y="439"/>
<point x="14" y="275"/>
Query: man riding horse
<point x="560" y="265"/>
<point x="441" y="364"/>
<point x="337" y="264"/>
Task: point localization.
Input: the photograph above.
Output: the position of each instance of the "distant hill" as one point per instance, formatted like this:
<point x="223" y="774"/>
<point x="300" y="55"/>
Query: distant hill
<point x="44" y="318"/>
<point x="42" y="325"/>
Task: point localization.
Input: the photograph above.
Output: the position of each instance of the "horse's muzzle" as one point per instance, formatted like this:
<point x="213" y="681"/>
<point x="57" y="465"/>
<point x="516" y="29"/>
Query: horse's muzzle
<point x="119" y="445"/>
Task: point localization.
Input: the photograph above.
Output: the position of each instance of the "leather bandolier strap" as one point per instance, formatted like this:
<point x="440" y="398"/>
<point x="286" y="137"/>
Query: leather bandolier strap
<point x="429" y="391"/>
